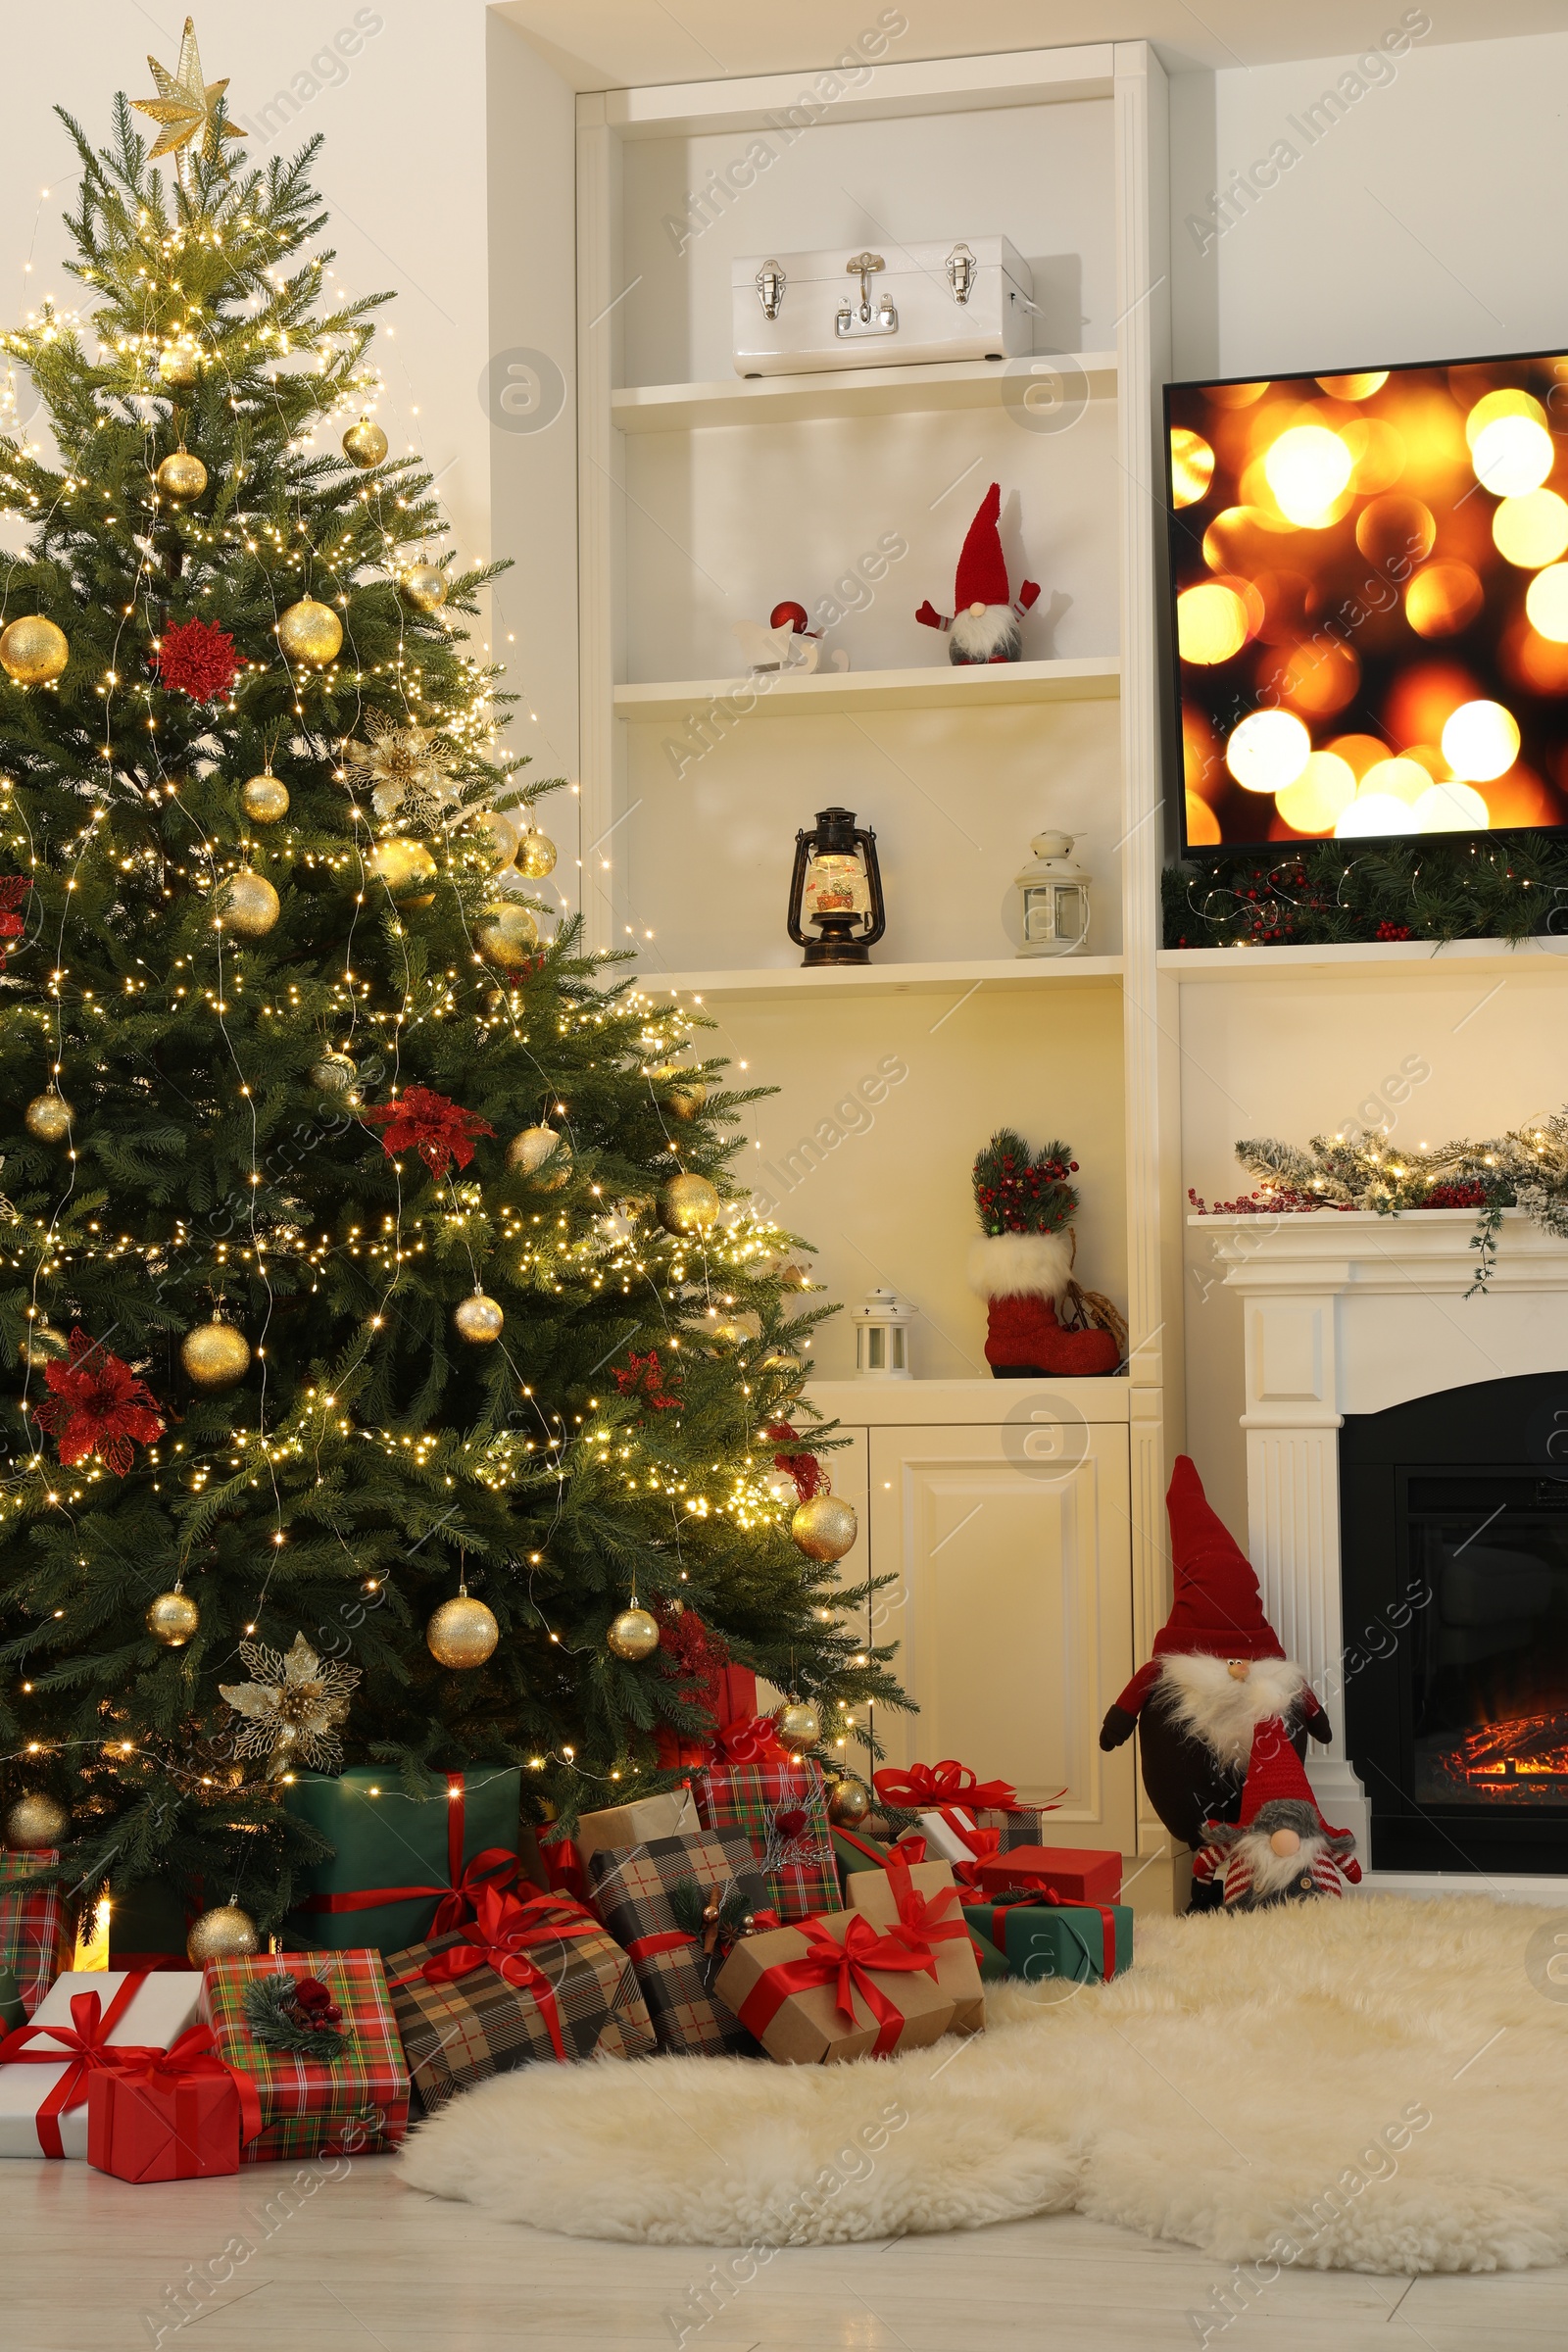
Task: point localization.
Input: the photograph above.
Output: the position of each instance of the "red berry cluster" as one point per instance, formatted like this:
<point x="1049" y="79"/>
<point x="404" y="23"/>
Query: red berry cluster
<point x="1469" y="1193"/>
<point x="1386" y="930"/>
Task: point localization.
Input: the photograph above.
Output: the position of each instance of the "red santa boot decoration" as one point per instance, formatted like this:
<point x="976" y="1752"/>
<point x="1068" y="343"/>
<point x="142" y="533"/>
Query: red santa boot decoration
<point x="1022" y="1266"/>
<point x="984" y="623"/>
<point x="1281" y="1850"/>
<point x="1218" y="1671"/>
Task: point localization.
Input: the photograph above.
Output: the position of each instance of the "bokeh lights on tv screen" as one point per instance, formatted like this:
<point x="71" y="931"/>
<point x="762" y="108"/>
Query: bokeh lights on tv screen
<point x="1370" y="576"/>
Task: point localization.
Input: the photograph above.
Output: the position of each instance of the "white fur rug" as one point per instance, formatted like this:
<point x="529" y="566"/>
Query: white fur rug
<point x="1376" y="2084"/>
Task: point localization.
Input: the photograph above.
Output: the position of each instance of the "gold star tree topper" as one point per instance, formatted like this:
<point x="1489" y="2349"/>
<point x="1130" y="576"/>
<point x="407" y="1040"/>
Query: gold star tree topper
<point x="186" y="107"/>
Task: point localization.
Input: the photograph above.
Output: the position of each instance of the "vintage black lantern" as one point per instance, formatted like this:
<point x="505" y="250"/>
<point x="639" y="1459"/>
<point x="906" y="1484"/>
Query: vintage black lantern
<point x="837" y="886"/>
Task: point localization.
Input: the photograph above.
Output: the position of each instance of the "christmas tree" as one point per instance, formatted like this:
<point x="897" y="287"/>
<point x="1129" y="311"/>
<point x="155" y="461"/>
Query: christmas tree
<point x="382" y="1323"/>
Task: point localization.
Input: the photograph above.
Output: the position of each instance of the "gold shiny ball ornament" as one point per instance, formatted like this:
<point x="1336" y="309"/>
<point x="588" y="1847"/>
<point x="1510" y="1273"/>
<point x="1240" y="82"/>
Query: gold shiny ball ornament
<point x="365" y="443"/>
<point x="537" y="856"/>
<point x="215" y="1355"/>
<point x="507" y="936"/>
<point x="336" y="1074"/>
<point x="462" y="1633"/>
<point x="172" y="1618"/>
<point x="181" y="476"/>
<point x="542" y="1153"/>
<point x="479" y="1320"/>
<point x="264" y="799"/>
<point x="248" y="905"/>
<point x="403" y="865"/>
<point x="180" y="366"/>
<point x="799" y="1726"/>
<point x="425" y="587"/>
<point x="225" y="1933"/>
<point x="825" y="1528"/>
<point x="33" y="652"/>
<point x="42" y="1344"/>
<point x="781" y="1362"/>
<point x="727" y="1334"/>
<point x="688" y="1205"/>
<point x="35" y="1821"/>
<point x="311" y="633"/>
<point x="633" y="1634"/>
<point x="48" y="1117"/>
<point x="848" y="1802"/>
<point x="686" y="1091"/>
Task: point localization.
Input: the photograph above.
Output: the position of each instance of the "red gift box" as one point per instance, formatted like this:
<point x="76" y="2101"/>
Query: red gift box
<point x="1079" y="1873"/>
<point x="178" y="2114"/>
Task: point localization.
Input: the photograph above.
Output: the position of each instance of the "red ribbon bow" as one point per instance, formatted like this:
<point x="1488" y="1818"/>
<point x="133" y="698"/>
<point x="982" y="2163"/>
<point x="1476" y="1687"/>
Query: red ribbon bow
<point x="84" y="2045"/>
<point x="506" y="1931"/>
<point x="922" y="1918"/>
<point x="466" y="1882"/>
<point x="195" y="2052"/>
<point x="848" y="1967"/>
<point x="922" y="1787"/>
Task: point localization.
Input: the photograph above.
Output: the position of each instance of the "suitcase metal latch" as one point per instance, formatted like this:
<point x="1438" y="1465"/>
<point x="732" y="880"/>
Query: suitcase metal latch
<point x="849" y="318"/>
<point x="769" y="283"/>
<point x="962" y="271"/>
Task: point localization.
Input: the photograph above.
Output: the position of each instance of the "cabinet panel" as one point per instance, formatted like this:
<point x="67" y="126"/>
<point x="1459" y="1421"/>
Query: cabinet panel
<point x="1013" y="1609"/>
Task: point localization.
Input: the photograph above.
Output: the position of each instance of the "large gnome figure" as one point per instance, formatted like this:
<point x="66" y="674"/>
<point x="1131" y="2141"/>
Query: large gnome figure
<point x="984" y="623"/>
<point x="1281" y="1850"/>
<point x="1218" y="1671"/>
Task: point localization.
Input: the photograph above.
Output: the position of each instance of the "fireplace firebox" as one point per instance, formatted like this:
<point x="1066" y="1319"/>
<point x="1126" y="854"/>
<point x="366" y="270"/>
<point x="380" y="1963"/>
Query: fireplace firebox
<point x="1455" y="1559"/>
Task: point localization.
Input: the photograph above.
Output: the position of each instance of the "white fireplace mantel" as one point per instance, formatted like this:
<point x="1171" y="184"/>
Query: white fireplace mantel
<point x="1346" y="1311"/>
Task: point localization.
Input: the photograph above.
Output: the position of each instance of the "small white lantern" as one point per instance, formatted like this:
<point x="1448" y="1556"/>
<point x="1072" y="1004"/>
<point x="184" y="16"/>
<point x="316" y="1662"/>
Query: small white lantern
<point x="882" y="1336"/>
<point x="1055" y="898"/>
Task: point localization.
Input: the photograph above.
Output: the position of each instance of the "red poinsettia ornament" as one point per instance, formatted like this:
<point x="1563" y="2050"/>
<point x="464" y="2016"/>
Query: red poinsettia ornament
<point x="98" y="1406"/>
<point x="803" y="1468"/>
<point x="643" y="1376"/>
<point x="432" y="1124"/>
<point x="14" y="888"/>
<point x="198" y="658"/>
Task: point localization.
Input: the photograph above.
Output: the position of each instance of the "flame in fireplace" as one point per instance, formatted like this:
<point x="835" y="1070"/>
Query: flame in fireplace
<point x="1522" y="1759"/>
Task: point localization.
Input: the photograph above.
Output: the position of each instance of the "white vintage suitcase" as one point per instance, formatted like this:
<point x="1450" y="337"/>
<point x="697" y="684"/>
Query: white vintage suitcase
<point x="870" y="307"/>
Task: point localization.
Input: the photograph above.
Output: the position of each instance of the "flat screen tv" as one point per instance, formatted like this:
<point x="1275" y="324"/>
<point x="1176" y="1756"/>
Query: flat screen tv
<point x="1369" y="576"/>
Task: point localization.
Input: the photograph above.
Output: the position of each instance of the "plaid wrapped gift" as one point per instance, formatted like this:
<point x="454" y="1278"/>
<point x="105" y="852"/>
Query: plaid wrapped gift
<point x="38" y="1937"/>
<point x="631" y="1894"/>
<point x="357" y="2104"/>
<point x="528" y="1980"/>
<point x="759" y="1800"/>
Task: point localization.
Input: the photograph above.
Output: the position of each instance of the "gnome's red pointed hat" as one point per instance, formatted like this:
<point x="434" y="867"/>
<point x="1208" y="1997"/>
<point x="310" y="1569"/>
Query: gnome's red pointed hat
<point x="1218" y="1608"/>
<point x="1279" y="1795"/>
<point x="982" y="574"/>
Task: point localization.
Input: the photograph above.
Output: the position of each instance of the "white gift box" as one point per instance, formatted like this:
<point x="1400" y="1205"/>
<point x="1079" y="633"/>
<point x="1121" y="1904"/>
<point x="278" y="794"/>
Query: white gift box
<point x="965" y="299"/>
<point x="943" y="1840"/>
<point x="156" y="2014"/>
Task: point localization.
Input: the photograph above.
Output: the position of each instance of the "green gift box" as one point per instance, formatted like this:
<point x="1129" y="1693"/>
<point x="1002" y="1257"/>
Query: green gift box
<point x="853" y="1850"/>
<point x="1082" y="1941"/>
<point x="403" y="1868"/>
<point x="12" y="2012"/>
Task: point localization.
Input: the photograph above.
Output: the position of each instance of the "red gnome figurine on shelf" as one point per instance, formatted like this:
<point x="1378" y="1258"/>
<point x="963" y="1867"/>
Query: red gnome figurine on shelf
<point x="1038" y="1323"/>
<point x="1218" y="1672"/>
<point x="984" y="626"/>
<point x="1281" y="1850"/>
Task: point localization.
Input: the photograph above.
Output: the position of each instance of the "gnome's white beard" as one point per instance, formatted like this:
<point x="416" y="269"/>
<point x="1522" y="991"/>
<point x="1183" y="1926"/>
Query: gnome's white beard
<point x="982" y="636"/>
<point x="1202" y="1696"/>
<point x="1267" y="1870"/>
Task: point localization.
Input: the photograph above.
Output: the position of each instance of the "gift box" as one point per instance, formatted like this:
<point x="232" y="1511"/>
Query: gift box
<point x="947" y="1802"/>
<point x="37" y="1933"/>
<point x="632" y="1891"/>
<point x="405" y="1866"/>
<point x="1083" y="1942"/>
<point x="853" y="1852"/>
<point x="170" y="2115"/>
<point x="920" y="1900"/>
<point x="1078" y="1874"/>
<point x="46" y="2067"/>
<point x="12" y="2012"/>
<point x="671" y="1814"/>
<point x="829" y="1989"/>
<point x="777" y="1803"/>
<point x="728" y="1694"/>
<point x="528" y="1980"/>
<point x="353" y="2102"/>
<point x="1018" y="1825"/>
<point x="148" y="1924"/>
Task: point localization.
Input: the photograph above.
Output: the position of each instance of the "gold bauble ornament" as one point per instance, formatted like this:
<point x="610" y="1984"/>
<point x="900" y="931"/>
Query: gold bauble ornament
<point x="225" y="1933"/>
<point x="336" y="1074"/>
<point x="402" y="863"/>
<point x="180" y="366"/>
<point x="172" y="1618"/>
<point x="728" y="1334"/>
<point x="537" y="856"/>
<point x="425" y="587"/>
<point x="36" y="1820"/>
<point x="779" y="1361"/>
<point x="687" y="1093"/>
<point x="825" y="1528"/>
<point x="48" y="1117"/>
<point x="799" y="1726"/>
<point x="32" y="651"/>
<point x="688" y="1205"/>
<point x="181" y="476"/>
<point x="507" y="936"/>
<point x="504" y="834"/>
<point x="529" y="1152"/>
<point x="248" y="905"/>
<point x="365" y="443"/>
<point x="848" y="1802"/>
<point x="634" y="1634"/>
<point x="311" y="632"/>
<point x="42" y="1344"/>
<point x="463" y="1633"/>
<point x="264" y="799"/>
<point x="477" y="1319"/>
<point x="215" y="1355"/>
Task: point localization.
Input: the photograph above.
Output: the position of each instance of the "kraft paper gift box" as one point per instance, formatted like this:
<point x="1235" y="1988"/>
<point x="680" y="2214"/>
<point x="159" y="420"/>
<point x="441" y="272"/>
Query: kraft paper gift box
<point x="671" y="1814"/>
<point x="631" y="1894"/>
<point x="1086" y="1942"/>
<point x="46" y="2067"/>
<point x="354" y="2103"/>
<point x="405" y="1866"/>
<point x="922" y="1897"/>
<point x="37" y="1935"/>
<point x="1078" y="1874"/>
<point x="829" y="1989"/>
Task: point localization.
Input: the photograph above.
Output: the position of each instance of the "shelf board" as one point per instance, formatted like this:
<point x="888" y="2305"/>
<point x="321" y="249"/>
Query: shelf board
<point x="842" y="392"/>
<point x="1458" y="959"/>
<point x="888" y="979"/>
<point x="1095" y="678"/>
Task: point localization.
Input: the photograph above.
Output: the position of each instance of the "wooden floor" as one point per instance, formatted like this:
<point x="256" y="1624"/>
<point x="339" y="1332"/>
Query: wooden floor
<point x="90" y="2265"/>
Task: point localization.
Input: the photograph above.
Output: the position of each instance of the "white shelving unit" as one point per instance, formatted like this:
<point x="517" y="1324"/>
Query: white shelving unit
<point x="704" y="499"/>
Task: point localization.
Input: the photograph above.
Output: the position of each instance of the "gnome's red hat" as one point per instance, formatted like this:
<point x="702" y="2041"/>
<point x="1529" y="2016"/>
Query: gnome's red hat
<point x="1217" y="1607"/>
<point x="982" y="574"/>
<point x="1276" y="1776"/>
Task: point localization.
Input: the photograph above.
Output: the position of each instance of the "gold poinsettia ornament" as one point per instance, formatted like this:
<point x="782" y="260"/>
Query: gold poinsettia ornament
<point x="292" y="1706"/>
<point x="404" y="772"/>
<point x="186" y="107"/>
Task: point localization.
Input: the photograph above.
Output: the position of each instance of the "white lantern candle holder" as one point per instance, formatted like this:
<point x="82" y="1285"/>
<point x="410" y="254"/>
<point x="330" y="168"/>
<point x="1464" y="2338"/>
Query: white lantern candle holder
<point x="882" y="1336"/>
<point x="1054" y="895"/>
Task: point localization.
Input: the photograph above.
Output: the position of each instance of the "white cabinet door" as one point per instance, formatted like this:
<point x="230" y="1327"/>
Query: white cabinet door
<point x="1013" y="1609"/>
